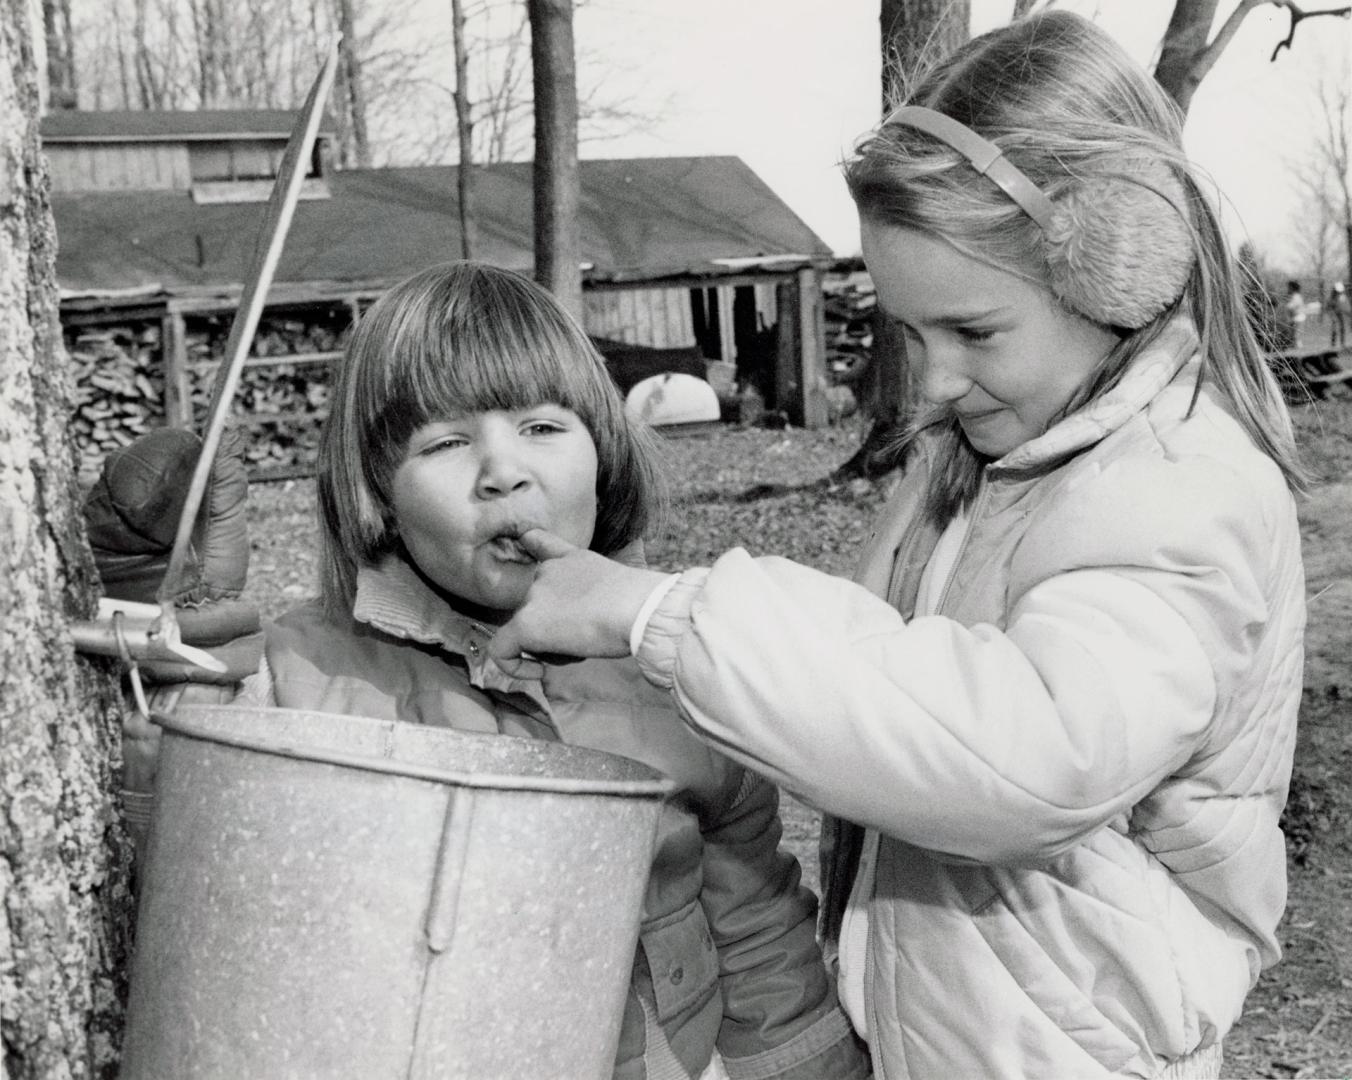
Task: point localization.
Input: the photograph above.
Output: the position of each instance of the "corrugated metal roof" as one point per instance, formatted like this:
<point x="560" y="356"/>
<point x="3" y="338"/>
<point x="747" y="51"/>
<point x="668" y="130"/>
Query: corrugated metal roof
<point x="65" y="126"/>
<point x="642" y="219"/>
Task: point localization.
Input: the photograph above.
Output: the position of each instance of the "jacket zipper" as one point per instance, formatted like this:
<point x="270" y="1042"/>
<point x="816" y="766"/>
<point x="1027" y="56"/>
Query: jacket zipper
<point x="978" y="504"/>
<point x="870" y="998"/>
<point x="870" y="1006"/>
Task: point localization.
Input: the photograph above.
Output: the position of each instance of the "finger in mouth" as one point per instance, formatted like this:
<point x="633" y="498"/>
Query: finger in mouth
<point x="508" y="547"/>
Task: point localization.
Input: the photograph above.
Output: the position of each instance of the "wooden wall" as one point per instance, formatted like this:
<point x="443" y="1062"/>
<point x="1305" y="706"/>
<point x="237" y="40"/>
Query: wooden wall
<point x="119" y="166"/>
<point x="657" y="317"/>
<point x="238" y="159"/>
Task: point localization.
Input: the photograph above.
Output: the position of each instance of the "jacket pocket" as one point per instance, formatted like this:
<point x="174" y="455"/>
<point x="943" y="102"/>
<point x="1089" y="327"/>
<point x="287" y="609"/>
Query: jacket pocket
<point x="681" y="959"/>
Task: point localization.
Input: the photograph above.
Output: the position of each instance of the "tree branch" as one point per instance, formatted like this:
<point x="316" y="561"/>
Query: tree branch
<point x="1296" y="16"/>
<point x="1207" y="57"/>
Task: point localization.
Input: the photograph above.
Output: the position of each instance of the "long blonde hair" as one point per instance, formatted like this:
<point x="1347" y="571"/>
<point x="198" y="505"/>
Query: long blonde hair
<point x="459" y="338"/>
<point x="1078" y="117"/>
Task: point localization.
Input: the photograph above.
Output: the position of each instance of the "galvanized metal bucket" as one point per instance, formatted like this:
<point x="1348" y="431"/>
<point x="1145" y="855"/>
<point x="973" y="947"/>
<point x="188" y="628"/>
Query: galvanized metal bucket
<point x="331" y="896"/>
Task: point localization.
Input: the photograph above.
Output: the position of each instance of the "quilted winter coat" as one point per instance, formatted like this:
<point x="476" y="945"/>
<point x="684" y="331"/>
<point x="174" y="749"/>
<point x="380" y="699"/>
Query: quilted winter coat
<point x="1076" y="766"/>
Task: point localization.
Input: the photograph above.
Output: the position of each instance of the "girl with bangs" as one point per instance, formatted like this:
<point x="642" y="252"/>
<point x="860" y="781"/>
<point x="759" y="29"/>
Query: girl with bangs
<point x="468" y="409"/>
<point x="1052" y="720"/>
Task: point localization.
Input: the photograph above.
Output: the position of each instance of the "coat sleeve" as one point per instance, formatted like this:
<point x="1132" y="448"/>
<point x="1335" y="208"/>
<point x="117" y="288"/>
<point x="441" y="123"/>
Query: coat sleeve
<point x="780" y="1014"/>
<point x="1003" y="744"/>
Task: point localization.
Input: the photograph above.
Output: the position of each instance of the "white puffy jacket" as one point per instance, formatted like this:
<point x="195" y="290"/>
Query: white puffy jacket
<point x="1077" y="766"/>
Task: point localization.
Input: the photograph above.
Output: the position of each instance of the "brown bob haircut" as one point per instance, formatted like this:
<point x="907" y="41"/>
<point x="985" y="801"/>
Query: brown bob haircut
<point x="460" y="338"/>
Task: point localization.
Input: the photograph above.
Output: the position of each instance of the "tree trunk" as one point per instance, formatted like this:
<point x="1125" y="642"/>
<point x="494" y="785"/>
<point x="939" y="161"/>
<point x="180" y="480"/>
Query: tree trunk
<point x="558" y="233"/>
<point x="913" y="32"/>
<point x="63" y="851"/>
<point x="464" y="129"/>
<point x="352" y="82"/>
<point x="62" y="89"/>
<point x="1185" y="41"/>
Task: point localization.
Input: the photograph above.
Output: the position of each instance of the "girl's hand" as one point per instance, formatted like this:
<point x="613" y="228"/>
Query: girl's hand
<point x="580" y="604"/>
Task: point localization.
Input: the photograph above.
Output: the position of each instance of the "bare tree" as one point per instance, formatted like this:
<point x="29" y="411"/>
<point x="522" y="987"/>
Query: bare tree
<point x="1313" y="227"/>
<point x="1333" y="159"/>
<point x="63" y="855"/>
<point x="354" y="90"/>
<point x="506" y="88"/>
<point x="179" y="54"/>
<point x="62" y="85"/>
<point x="558" y="231"/>
<point x="1322" y="223"/>
<point x="1189" y="51"/>
<point x="464" y="127"/>
<point x="150" y="90"/>
<point x="185" y="54"/>
<point x="499" y="92"/>
<point x="206" y="42"/>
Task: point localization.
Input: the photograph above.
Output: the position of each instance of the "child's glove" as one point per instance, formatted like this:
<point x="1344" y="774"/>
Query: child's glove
<point x="132" y="515"/>
<point x="133" y="512"/>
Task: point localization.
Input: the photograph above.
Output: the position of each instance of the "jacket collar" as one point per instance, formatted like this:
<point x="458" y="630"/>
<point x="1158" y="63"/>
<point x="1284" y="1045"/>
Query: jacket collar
<point x="1148" y="374"/>
<point x="394" y="599"/>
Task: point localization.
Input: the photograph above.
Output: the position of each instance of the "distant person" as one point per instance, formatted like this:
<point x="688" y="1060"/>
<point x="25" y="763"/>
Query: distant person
<point x="1058" y="708"/>
<point x="1294" y="310"/>
<point x="1260" y="303"/>
<point x="1340" y="315"/>
<point x="467" y="408"/>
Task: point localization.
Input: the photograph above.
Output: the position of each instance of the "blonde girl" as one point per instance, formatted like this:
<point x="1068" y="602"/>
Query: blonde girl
<point x="1053" y="721"/>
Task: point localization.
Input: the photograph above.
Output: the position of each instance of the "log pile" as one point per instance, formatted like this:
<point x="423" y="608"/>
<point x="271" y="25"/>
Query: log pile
<point x="849" y="303"/>
<point x="118" y="391"/>
<point x="118" y="374"/>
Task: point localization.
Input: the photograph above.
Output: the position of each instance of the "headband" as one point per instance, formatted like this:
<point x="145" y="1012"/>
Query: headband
<point x="985" y="157"/>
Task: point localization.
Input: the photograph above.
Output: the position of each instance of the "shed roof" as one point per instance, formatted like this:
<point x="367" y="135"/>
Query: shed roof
<point x="642" y="219"/>
<point x="71" y="125"/>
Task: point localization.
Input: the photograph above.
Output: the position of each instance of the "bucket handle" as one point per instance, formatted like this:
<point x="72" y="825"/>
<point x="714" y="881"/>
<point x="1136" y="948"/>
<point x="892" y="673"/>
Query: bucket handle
<point x="450" y="869"/>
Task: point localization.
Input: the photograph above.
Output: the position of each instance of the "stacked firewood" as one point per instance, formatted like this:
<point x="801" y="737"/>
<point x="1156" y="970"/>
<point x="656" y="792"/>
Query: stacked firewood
<point x="849" y="303"/>
<point x="119" y="388"/>
<point x="118" y="392"/>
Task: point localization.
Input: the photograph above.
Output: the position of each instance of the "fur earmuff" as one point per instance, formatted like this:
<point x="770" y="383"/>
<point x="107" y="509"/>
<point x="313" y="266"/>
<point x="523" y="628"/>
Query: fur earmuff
<point x="1118" y="246"/>
<point x="1119" y="250"/>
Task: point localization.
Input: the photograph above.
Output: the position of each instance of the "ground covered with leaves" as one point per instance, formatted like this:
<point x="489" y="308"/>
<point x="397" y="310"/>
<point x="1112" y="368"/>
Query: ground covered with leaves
<point x="764" y="490"/>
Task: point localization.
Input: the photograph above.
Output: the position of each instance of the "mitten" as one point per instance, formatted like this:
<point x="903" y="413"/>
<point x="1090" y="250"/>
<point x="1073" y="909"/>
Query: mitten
<point x="133" y="511"/>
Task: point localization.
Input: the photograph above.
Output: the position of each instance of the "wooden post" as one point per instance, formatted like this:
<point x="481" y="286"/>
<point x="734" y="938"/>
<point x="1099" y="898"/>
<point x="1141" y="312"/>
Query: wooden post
<point x="727" y="339"/>
<point x="786" y="347"/>
<point x="800" y="355"/>
<point x="812" y="381"/>
<point x="174" y="355"/>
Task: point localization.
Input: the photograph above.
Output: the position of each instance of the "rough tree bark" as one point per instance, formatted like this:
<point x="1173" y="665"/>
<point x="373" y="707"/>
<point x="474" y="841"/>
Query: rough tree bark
<point x="1186" y="54"/>
<point x="63" y="854"/>
<point x="558" y="232"/>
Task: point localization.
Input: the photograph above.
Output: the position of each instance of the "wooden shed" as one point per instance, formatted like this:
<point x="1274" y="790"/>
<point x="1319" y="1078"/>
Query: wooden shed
<point x="157" y="215"/>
